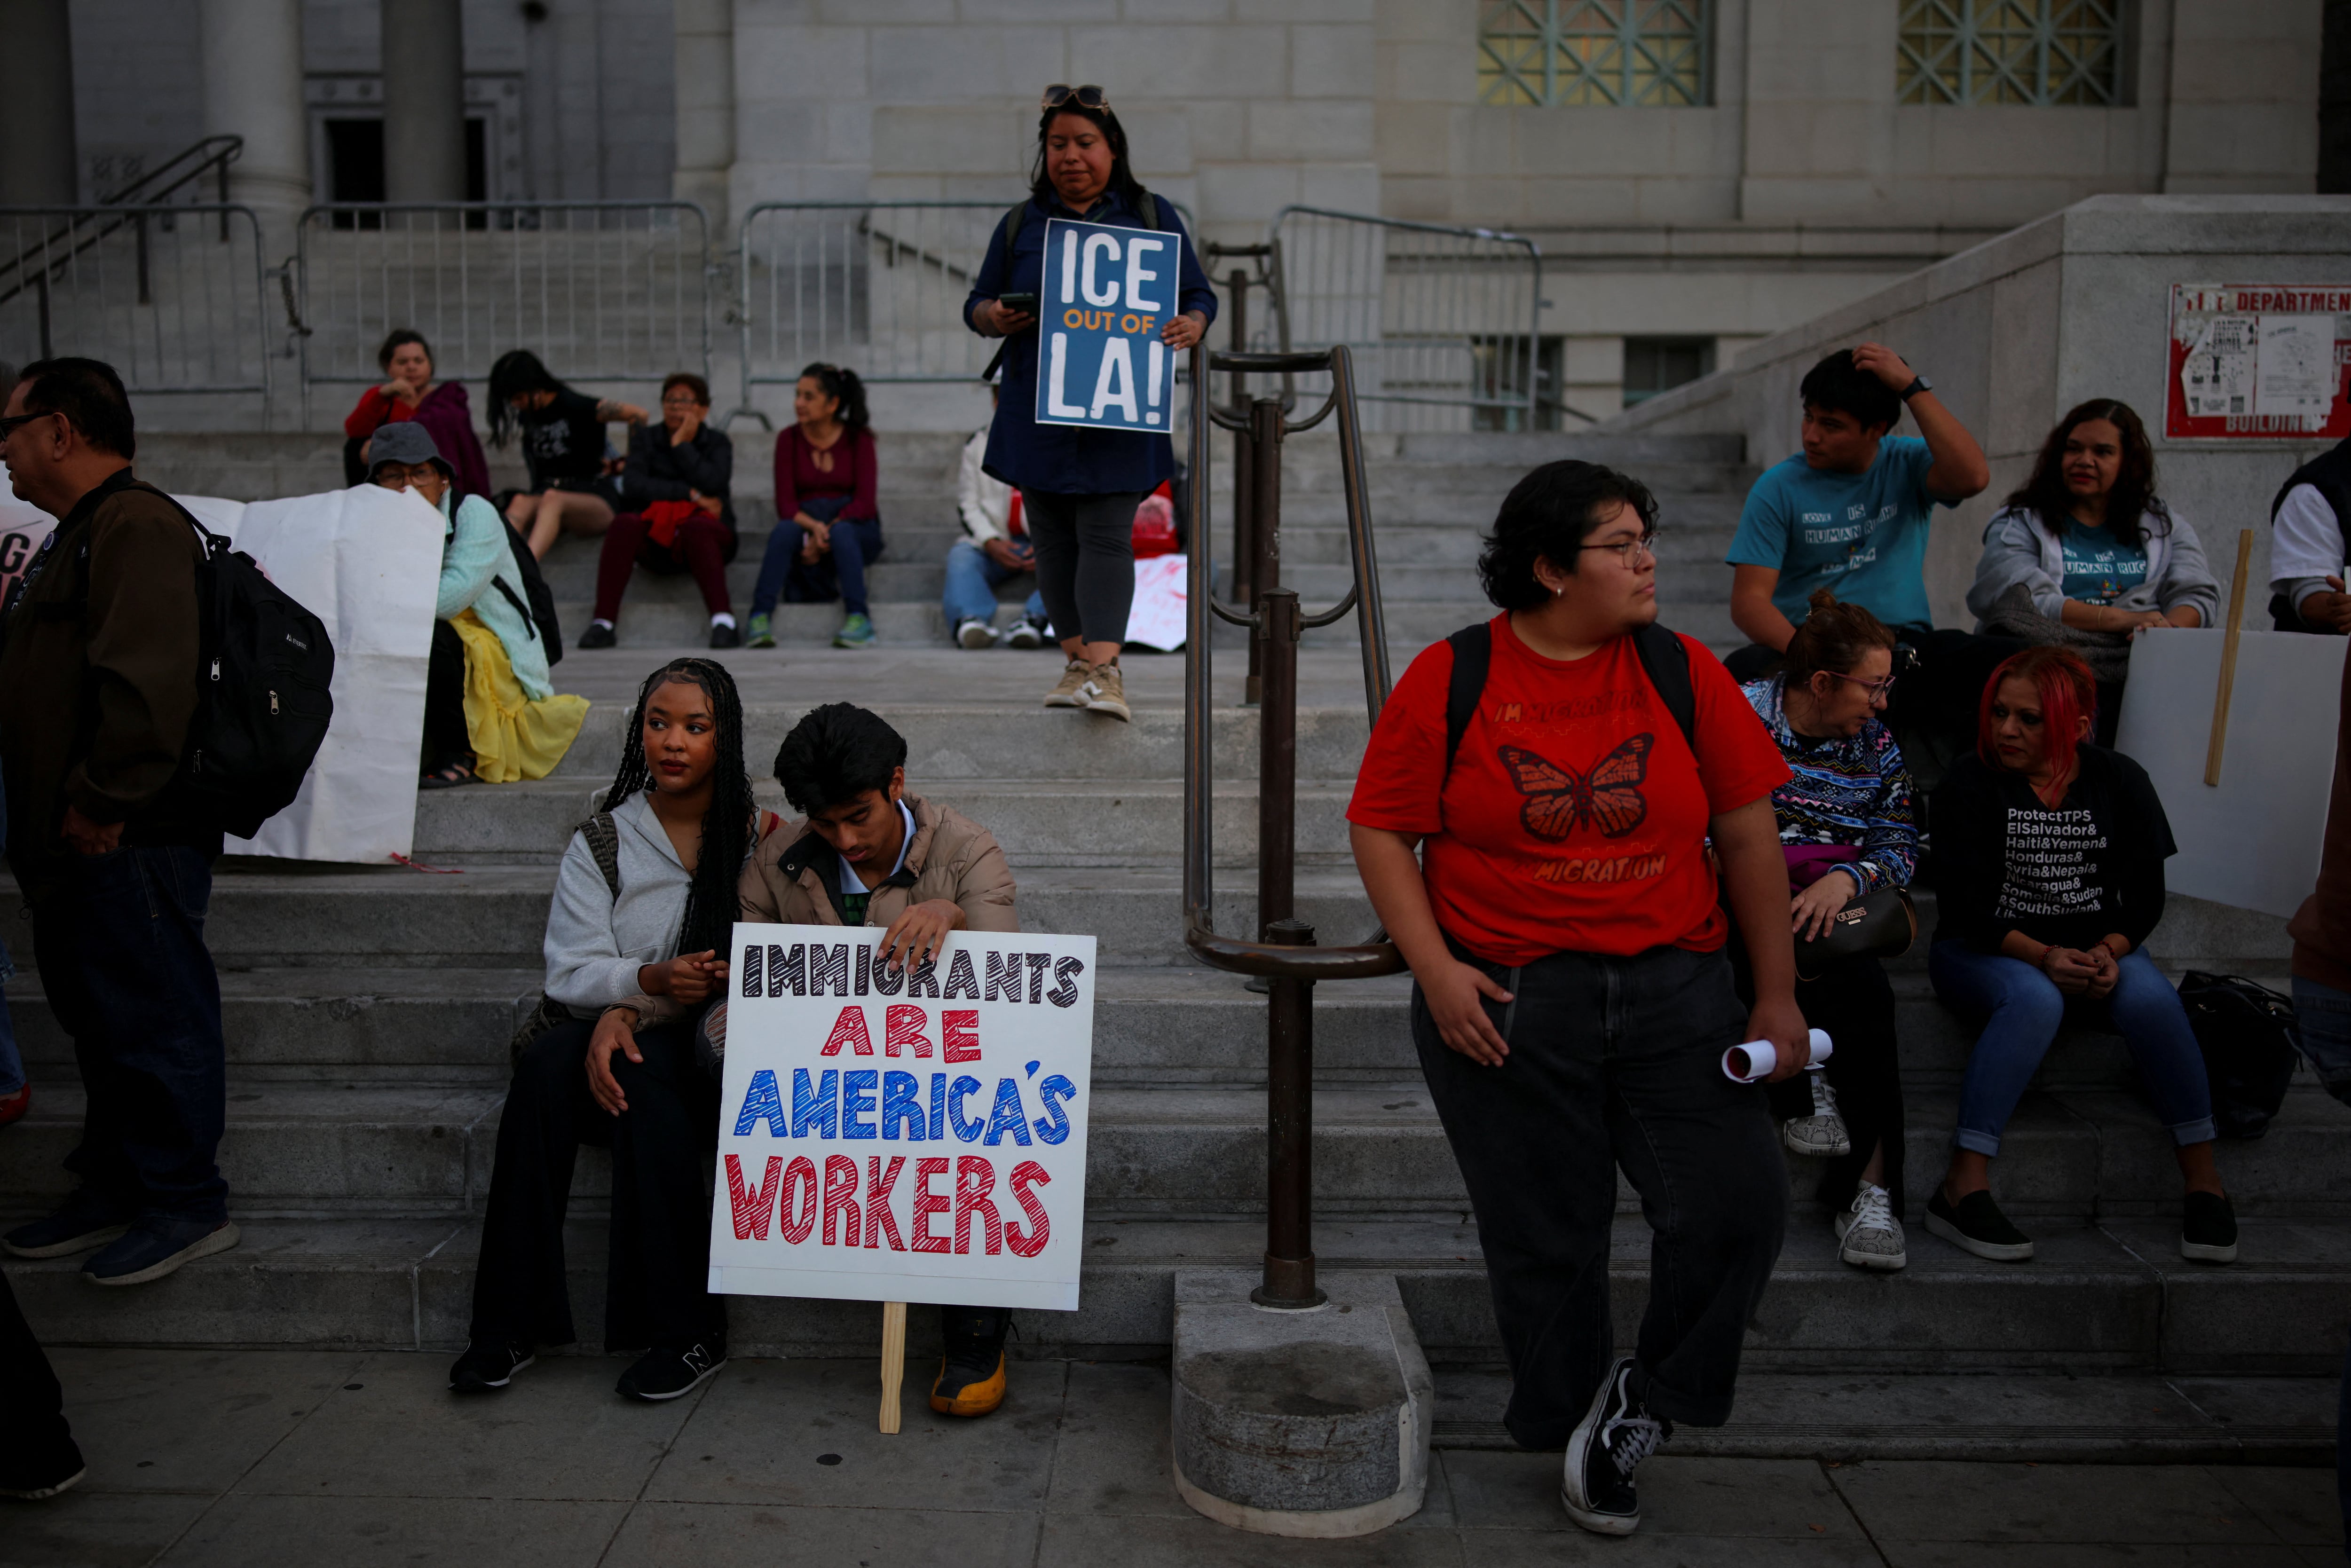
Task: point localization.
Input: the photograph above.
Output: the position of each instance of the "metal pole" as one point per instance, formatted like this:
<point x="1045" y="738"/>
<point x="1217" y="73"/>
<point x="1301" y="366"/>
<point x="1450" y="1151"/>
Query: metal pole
<point x="1289" y="1278"/>
<point x="1244" y="539"/>
<point x="1266" y="426"/>
<point x="1277" y="632"/>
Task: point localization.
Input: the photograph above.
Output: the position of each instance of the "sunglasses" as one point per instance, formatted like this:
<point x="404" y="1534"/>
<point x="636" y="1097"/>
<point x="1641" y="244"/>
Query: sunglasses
<point x="1061" y="93"/>
<point x="10" y="425"/>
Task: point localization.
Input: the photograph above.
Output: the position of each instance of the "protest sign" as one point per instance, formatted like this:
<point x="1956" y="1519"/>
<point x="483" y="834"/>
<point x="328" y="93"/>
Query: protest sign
<point x="896" y="1135"/>
<point x="1107" y="293"/>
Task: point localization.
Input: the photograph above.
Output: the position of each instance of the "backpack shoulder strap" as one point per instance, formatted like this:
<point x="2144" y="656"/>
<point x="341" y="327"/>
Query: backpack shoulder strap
<point x="1473" y="655"/>
<point x="529" y="622"/>
<point x="1664" y="657"/>
<point x="214" y="543"/>
<point x="1014" y="222"/>
<point x="1148" y="208"/>
<point x="604" y="842"/>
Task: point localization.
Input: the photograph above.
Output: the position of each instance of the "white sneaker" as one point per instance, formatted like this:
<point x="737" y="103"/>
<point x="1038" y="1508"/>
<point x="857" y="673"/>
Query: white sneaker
<point x="1026" y="634"/>
<point x="1823" y="1131"/>
<point x="1869" y="1236"/>
<point x="976" y="633"/>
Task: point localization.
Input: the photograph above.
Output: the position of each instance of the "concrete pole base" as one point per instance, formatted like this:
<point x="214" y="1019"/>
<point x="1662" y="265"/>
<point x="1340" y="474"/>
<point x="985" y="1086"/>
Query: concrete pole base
<point x="1312" y="1424"/>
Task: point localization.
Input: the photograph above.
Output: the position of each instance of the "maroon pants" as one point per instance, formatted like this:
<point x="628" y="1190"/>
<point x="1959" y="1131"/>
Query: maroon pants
<point x="703" y="545"/>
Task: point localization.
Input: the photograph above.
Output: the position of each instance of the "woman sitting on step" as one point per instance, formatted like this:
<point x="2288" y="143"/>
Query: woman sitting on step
<point x="491" y="712"/>
<point x="828" y="521"/>
<point x="2049" y="856"/>
<point x="680" y="519"/>
<point x="563" y="447"/>
<point x="410" y="393"/>
<point x="643" y="911"/>
<point x="1846" y="827"/>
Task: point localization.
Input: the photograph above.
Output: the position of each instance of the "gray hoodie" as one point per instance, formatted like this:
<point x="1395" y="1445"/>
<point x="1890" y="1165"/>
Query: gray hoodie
<point x="2017" y="549"/>
<point x="595" y="943"/>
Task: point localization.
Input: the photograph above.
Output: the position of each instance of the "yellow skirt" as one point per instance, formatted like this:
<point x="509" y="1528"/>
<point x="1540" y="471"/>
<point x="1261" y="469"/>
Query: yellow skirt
<point x="513" y="737"/>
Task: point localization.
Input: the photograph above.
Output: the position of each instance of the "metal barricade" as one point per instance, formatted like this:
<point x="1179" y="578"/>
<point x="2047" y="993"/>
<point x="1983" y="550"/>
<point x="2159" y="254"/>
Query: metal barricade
<point x="172" y="295"/>
<point x="603" y="291"/>
<point x="1443" y="323"/>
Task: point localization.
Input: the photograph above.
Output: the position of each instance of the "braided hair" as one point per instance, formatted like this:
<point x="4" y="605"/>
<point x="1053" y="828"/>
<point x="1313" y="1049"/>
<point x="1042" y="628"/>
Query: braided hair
<point x="711" y="902"/>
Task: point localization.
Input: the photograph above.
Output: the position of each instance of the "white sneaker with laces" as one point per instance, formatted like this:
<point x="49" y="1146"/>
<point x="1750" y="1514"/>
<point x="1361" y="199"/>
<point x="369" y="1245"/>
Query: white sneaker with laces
<point x="976" y="633"/>
<point x="1822" y="1133"/>
<point x="1869" y="1236"/>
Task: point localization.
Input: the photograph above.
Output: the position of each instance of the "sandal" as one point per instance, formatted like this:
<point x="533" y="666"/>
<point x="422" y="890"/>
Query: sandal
<point x="449" y="776"/>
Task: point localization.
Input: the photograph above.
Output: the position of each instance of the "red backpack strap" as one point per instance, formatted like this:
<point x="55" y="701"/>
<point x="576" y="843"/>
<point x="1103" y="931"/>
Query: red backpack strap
<point x="768" y="822"/>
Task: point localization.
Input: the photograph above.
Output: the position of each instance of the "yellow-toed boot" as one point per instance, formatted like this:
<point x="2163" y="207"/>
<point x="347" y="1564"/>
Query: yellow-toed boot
<point x="971" y="1374"/>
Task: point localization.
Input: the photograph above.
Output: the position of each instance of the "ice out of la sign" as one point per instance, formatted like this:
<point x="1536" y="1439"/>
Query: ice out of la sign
<point x="904" y="1135"/>
<point x="1107" y="294"/>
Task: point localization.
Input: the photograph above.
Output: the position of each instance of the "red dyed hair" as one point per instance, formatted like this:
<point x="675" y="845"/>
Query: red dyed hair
<point x="2068" y="694"/>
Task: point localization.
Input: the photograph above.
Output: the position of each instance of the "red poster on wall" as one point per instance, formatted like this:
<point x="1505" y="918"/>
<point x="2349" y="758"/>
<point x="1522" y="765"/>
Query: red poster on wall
<point x="2257" y="361"/>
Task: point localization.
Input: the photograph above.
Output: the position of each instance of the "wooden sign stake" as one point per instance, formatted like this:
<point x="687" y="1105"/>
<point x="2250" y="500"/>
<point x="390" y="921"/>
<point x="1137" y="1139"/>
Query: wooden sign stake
<point x="893" y="1362"/>
<point x="2228" y="658"/>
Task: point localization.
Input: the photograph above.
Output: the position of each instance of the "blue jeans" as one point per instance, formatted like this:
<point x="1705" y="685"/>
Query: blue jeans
<point x="119" y="939"/>
<point x="2322" y="1019"/>
<point x="973" y="578"/>
<point x="2018" y="1008"/>
<point x="839" y="573"/>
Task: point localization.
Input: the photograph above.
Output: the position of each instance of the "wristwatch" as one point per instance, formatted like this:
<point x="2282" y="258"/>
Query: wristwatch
<point x="1917" y="384"/>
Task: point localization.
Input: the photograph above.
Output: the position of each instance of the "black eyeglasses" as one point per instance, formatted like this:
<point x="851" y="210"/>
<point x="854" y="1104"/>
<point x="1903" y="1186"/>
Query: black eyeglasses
<point x="8" y="426"/>
<point x="1061" y="93"/>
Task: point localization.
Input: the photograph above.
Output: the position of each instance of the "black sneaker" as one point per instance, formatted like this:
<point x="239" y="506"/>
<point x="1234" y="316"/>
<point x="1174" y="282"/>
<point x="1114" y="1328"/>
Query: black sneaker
<point x="1975" y="1225"/>
<point x="1615" y="1435"/>
<point x="724" y="635"/>
<point x="156" y="1245"/>
<point x="83" y="1221"/>
<point x="597" y="635"/>
<point x="971" y="1369"/>
<point x="1027" y="634"/>
<point x="666" y="1373"/>
<point x="485" y="1367"/>
<point x="2208" y="1228"/>
<point x="32" y="1479"/>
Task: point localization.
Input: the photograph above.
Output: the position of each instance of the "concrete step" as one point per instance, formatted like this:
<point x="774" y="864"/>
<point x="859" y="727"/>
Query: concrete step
<point x="2099" y="1299"/>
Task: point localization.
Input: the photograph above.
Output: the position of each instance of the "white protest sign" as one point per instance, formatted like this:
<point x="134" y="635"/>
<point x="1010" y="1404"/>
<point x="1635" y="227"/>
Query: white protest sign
<point x="887" y="1135"/>
<point x="1107" y="293"/>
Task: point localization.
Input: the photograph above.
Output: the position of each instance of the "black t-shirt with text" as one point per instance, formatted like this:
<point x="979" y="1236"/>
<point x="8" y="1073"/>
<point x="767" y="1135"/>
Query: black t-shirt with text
<point x="563" y="441"/>
<point x="2068" y="875"/>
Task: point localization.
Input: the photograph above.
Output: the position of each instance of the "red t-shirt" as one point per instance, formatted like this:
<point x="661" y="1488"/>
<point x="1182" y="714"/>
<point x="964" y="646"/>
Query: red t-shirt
<point x="1575" y="817"/>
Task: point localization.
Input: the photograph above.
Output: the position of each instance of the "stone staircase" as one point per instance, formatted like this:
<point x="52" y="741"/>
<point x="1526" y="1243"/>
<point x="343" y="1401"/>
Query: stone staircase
<point x="367" y="1012"/>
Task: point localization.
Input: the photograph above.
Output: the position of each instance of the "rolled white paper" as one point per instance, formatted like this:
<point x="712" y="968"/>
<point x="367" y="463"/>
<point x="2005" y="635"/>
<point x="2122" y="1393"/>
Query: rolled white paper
<point x="1757" y="1058"/>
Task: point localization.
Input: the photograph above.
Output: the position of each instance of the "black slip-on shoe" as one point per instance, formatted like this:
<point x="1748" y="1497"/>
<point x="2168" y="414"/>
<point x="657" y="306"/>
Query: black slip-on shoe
<point x="1615" y="1435"/>
<point x="485" y="1368"/>
<point x="596" y="635"/>
<point x="154" y="1247"/>
<point x="724" y="635"/>
<point x="1975" y="1225"/>
<point x="83" y="1221"/>
<point x="2208" y="1228"/>
<point x="666" y="1373"/>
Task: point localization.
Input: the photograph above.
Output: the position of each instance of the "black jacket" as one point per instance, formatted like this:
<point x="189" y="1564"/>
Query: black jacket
<point x="657" y="471"/>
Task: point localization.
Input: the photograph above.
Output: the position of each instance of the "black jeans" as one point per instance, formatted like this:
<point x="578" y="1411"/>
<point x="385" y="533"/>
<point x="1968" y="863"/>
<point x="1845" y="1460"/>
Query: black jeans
<point x="36" y="1445"/>
<point x="1854" y="1001"/>
<point x="119" y="939"/>
<point x="1613" y="1061"/>
<point x="657" y="1270"/>
<point x="446" y="739"/>
<point x="1085" y="560"/>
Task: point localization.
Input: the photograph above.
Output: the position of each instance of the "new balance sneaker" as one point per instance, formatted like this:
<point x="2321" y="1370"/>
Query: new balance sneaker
<point x="1028" y="633"/>
<point x="2208" y="1228"/>
<point x="971" y="1371"/>
<point x="1823" y="1131"/>
<point x="83" y="1221"/>
<point x="1106" y="692"/>
<point x="485" y="1368"/>
<point x="1615" y="1435"/>
<point x="974" y="633"/>
<point x="598" y="634"/>
<point x="1869" y="1236"/>
<point x="1070" y="691"/>
<point x="856" y="632"/>
<point x="155" y="1246"/>
<point x="1975" y="1225"/>
<point x="757" y="634"/>
<point x="666" y="1373"/>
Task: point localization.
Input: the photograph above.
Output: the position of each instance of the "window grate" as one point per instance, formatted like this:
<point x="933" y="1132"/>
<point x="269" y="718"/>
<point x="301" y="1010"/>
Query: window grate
<point x="2041" y="52"/>
<point x="1641" y="53"/>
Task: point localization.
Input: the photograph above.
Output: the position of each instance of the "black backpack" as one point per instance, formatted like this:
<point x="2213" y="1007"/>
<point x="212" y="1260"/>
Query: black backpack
<point x="264" y="693"/>
<point x="536" y="604"/>
<point x="1665" y="659"/>
<point x="2250" y="1043"/>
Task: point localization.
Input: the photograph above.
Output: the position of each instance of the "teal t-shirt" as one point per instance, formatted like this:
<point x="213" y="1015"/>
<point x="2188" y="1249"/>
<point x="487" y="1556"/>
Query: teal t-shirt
<point x="1862" y="535"/>
<point x="2100" y="567"/>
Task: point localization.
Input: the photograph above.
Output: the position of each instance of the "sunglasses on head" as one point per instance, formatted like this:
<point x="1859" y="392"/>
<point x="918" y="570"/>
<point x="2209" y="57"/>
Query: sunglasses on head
<point x="1061" y="93"/>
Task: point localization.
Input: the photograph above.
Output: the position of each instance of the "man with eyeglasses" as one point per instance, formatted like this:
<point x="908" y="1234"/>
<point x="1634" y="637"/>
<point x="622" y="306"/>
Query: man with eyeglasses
<point x="98" y="687"/>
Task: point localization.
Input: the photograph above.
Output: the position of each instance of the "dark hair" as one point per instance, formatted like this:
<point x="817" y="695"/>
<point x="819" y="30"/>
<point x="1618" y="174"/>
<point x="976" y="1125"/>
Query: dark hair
<point x="1837" y="383"/>
<point x="842" y="384"/>
<point x="710" y="902"/>
<point x="1544" y="517"/>
<point x="516" y="373"/>
<point x="90" y="395"/>
<point x="835" y="753"/>
<point x="691" y="382"/>
<point x="2044" y="494"/>
<point x="400" y="337"/>
<point x="1123" y="182"/>
<point x="1833" y="637"/>
<point x="2068" y="692"/>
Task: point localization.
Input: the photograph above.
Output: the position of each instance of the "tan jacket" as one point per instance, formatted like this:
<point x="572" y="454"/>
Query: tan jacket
<point x="951" y="857"/>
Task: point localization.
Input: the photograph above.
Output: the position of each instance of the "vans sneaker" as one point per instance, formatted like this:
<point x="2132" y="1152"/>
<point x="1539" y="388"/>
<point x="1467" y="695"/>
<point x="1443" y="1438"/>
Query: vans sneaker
<point x="1975" y="1225"/>
<point x="596" y="634"/>
<point x="1106" y="692"/>
<point x="1029" y="633"/>
<point x="974" y="633"/>
<point x="485" y="1368"/>
<point x="2208" y="1228"/>
<point x="1869" y="1235"/>
<point x="1615" y="1435"/>
<point x="667" y="1373"/>
<point x="1823" y="1131"/>
<point x="155" y="1246"/>
<point x="1070" y="691"/>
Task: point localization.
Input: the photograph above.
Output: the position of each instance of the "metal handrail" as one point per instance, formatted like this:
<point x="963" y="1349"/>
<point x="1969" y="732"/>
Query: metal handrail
<point x="1277" y="960"/>
<point x="212" y="154"/>
<point x="209" y="155"/>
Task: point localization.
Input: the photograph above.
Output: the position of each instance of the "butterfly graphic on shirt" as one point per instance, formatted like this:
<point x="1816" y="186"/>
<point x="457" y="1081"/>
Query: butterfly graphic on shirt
<point x="1561" y="799"/>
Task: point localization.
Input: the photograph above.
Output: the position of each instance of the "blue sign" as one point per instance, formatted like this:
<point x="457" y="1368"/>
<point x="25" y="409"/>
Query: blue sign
<point x="1107" y="294"/>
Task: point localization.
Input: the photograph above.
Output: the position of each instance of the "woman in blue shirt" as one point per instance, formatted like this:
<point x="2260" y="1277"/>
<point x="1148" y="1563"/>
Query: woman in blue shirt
<point x="1079" y="487"/>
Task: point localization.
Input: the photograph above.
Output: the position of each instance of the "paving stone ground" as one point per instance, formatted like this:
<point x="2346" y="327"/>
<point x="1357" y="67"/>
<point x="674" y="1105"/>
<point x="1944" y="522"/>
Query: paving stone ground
<point x="304" y="1457"/>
